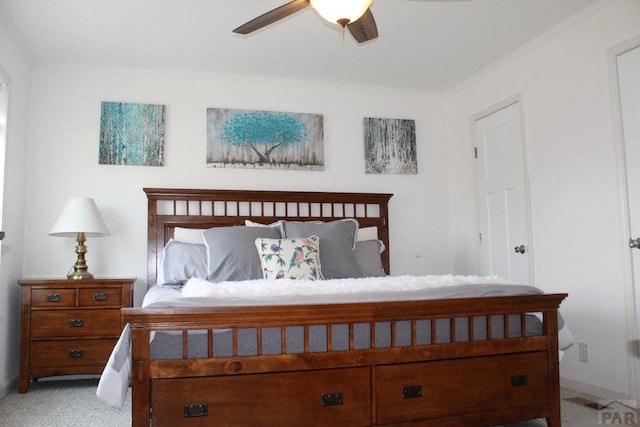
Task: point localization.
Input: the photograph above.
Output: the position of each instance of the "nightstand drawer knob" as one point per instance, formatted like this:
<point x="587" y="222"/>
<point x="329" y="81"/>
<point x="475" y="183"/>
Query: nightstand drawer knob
<point x="332" y="399"/>
<point x="53" y="297"/>
<point x="412" y="392"/>
<point x="100" y="296"/>
<point x="76" y="323"/>
<point x="196" y="410"/>
<point x="76" y="353"/>
<point x="519" y="381"/>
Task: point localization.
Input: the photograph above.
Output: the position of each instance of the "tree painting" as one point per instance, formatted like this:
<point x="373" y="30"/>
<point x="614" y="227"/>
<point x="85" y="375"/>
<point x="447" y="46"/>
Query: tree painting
<point x="264" y="139"/>
<point x="131" y="134"/>
<point x="390" y="146"/>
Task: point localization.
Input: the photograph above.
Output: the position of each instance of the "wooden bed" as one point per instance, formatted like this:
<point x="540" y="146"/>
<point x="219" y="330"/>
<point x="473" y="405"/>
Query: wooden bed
<point x="457" y="383"/>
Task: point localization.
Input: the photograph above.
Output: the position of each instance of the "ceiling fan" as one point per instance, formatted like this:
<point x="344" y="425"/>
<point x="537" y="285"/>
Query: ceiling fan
<point x="354" y="15"/>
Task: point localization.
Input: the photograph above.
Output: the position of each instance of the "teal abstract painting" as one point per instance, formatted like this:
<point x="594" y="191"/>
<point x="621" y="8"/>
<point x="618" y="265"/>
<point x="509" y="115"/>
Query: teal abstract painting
<point x="132" y="134"/>
<point x="264" y="139"/>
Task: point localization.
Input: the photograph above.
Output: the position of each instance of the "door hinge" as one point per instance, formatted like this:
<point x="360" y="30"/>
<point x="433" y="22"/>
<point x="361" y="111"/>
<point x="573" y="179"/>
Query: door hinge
<point x="480" y="238"/>
<point x="475" y="152"/>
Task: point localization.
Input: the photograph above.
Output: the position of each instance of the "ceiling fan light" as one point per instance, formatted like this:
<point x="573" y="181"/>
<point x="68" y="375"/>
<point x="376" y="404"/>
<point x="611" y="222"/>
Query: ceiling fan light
<point x="337" y="10"/>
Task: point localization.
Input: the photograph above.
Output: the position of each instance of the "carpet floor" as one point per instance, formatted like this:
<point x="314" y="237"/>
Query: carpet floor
<point x="66" y="403"/>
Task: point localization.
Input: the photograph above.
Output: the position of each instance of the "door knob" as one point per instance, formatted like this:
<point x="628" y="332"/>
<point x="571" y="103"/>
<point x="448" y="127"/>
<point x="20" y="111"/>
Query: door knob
<point x="520" y="249"/>
<point x="634" y="243"/>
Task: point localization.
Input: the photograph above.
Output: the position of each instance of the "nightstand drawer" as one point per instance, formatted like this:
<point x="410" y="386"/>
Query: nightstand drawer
<point x="97" y="297"/>
<point x="75" y="323"/>
<point x="71" y="353"/>
<point x="53" y="298"/>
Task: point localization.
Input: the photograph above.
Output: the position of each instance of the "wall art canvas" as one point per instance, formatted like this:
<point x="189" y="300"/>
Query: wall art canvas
<point x="132" y="134"/>
<point x="264" y="139"/>
<point x="390" y="146"/>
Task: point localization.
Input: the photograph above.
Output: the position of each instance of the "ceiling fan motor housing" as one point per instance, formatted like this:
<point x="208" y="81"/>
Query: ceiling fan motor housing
<point x="341" y="12"/>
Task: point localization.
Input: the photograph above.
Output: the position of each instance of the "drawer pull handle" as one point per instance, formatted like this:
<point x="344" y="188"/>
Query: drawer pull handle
<point x="100" y="296"/>
<point x="53" y="298"/>
<point x="518" y="380"/>
<point x="332" y="399"/>
<point x="76" y="323"/>
<point x="76" y="353"/>
<point x="411" y="391"/>
<point x="196" y="410"/>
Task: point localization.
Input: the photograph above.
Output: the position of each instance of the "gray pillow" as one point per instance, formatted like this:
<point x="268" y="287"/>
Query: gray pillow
<point x="337" y="242"/>
<point x="231" y="252"/>
<point x="368" y="257"/>
<point x="182" y="261"/>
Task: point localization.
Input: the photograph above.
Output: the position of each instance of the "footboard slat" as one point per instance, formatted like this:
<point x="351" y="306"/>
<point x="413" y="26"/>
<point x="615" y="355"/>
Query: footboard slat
<point x="185" y="345"/>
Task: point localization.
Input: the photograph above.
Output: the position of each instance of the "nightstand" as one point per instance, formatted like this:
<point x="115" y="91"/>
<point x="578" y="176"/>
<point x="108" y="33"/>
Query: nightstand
<point x="69" y="326"/>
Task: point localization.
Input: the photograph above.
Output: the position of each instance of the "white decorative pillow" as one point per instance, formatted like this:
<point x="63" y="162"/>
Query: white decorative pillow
<point x="367" y="233"/>
<point x="295" y="258"/>
<point x="188" y="235"/>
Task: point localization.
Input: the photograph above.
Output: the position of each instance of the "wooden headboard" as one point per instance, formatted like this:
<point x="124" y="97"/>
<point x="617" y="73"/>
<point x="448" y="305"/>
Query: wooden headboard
<point x="191" y="208"/>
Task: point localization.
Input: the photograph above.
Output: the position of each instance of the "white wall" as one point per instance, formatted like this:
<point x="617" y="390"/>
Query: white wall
<point x="564" y="84"/>
<point x="63" y="160"/>
<point x="577" y="239"/>
<point x="14" y="67"/>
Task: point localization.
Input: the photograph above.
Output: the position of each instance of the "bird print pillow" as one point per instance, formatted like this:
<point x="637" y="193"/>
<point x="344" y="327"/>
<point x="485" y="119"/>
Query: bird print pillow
<point x="297" y="258"/>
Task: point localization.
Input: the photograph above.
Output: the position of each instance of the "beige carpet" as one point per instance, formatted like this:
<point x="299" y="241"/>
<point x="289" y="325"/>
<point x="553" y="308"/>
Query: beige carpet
<point x="74" y="404"/>
<point x="61" y="403"/>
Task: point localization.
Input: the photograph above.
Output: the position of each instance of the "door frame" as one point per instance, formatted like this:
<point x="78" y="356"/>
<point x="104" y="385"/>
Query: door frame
<point x="5" y="77"/>
<point x="494" y="108"/>
<point x="631" y="305"/>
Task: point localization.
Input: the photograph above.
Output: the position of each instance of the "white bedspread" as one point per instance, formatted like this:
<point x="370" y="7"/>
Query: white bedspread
<point x="115" y="380"/>
<point x="370" y="288"/>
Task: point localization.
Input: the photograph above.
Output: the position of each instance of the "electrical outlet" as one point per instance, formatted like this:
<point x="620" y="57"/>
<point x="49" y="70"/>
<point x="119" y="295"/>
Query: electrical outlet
<point x="583" y="352"/>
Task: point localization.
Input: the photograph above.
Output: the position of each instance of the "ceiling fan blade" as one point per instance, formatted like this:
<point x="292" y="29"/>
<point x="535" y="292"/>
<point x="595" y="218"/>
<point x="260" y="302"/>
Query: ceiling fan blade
<point x="272" y="16"/>
<point x="364" y="29"/>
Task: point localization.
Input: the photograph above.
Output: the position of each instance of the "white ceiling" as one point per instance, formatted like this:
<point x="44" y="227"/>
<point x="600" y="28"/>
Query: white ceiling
<point x="422" y="45"/>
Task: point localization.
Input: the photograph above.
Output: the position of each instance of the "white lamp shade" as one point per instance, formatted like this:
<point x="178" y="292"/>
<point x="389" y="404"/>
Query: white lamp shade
<point x="333" y="10"/>
<point x="79" y="215"/>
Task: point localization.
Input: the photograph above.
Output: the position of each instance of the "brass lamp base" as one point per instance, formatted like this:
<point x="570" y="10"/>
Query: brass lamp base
<point x="79" y="275"/>
<point x="80" y="268"/>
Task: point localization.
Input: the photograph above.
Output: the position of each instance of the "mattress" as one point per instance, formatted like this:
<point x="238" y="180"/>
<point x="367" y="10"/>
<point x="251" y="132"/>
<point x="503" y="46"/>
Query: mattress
<point x="197" y="293"/>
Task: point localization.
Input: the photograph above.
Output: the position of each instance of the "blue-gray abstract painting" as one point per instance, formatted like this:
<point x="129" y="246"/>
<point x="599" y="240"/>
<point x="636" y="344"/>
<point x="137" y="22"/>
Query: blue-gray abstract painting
<point x="390" y="146"/>
<point x="132" y="134"/>
<point x="264" y="139"/>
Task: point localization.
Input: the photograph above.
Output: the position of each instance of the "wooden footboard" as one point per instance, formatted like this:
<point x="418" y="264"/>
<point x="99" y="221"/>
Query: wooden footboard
<point x="499" y="377"/>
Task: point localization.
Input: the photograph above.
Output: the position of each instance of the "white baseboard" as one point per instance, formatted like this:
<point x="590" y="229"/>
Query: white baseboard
<point x="594" y="390"/>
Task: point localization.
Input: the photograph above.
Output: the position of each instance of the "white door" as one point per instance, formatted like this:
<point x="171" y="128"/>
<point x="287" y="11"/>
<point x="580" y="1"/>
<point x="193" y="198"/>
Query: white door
<point x="505" y="249"/>
<point x="628" y="66"/>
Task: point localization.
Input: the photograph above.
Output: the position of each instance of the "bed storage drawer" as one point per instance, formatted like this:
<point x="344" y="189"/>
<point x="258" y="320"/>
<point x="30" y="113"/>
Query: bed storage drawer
<point x="328" y="397"/>
<point x="445" y="388"/>
<point x="71" y="353"/>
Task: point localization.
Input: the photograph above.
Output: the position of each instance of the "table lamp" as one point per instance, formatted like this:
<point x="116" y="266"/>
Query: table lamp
<point x="80" y="218"/>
